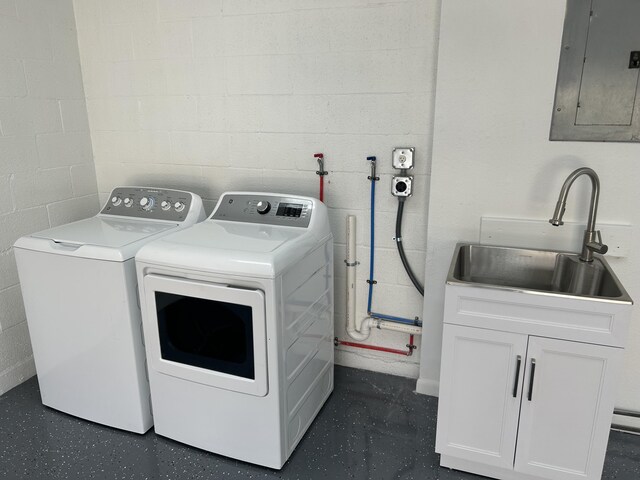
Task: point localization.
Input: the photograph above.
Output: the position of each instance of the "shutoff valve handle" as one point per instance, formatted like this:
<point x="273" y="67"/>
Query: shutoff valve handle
<point x="320" y="158"/>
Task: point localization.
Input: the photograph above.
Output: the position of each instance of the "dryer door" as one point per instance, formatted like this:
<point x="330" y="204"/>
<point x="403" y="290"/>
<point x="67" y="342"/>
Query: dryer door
<point x="206" y="333"/>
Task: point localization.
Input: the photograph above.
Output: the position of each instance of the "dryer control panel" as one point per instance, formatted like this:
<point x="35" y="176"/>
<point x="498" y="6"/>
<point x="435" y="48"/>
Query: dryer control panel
<point x="149" y="203"/>
<point x="265" y="209"/>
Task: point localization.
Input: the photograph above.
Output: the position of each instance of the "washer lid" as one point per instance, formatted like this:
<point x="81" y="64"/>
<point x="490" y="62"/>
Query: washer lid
<point x="98" y="238"/>
<point x="103" y="232"/>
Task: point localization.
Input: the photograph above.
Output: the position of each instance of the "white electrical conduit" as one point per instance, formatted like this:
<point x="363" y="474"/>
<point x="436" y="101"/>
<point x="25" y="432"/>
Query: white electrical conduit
<point x="361" y="330"/>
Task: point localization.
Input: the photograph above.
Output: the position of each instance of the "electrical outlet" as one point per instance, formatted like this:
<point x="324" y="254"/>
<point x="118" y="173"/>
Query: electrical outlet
<point x="401" y="186"/>
<point x="403" y="157"/>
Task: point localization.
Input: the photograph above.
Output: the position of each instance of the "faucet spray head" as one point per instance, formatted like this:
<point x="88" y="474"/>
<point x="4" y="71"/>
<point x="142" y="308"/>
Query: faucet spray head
<point x="558" y="213"/>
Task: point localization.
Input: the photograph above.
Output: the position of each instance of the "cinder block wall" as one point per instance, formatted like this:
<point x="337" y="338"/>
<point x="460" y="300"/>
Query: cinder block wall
<point x="47" y="175"/>
<point x="212" y="95"/>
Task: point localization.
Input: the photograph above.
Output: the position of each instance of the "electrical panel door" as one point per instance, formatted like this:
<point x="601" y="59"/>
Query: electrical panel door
<point x="597" y="91"/>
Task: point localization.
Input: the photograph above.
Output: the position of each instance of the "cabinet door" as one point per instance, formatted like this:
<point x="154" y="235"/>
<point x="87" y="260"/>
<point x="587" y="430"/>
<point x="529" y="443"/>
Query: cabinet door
<point x="480" y="390"/>
<point x="567" y="407"/>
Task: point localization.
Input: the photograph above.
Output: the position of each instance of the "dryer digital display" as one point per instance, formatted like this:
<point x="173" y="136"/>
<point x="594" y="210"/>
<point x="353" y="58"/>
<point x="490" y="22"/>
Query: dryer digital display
<point x="289" y="210"/>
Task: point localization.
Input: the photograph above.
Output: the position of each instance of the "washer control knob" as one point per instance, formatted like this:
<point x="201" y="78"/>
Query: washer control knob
<point x="128" y="202"/>
<point x="179" y="206"/>
<point x="165" y="205"/>
<point x="147" y="203"/>
<point x="263" y="207"/>
<point x="115" y="201"/>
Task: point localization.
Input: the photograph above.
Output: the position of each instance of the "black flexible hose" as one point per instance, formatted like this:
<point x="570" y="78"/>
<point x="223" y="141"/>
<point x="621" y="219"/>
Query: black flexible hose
<point x="403" y="257"/>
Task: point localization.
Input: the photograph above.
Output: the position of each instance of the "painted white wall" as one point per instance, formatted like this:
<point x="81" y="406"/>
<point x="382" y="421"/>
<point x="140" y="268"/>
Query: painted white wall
<point x="217" y="95"/>
<point x="491" y="154"/>
<point x="47" y="175"/>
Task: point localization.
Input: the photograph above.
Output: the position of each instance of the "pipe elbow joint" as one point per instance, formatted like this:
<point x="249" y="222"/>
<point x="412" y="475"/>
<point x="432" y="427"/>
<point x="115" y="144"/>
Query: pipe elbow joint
<point x="365" y="330"/>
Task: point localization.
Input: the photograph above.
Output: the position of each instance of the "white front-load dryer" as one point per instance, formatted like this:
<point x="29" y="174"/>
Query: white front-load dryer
<point x="80" y="293"/>
<point x="238" y="324"/>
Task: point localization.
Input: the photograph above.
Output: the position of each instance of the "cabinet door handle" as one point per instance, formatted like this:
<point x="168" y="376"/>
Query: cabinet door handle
<point x="533" y="373"/>
<point x="515" y="385"/>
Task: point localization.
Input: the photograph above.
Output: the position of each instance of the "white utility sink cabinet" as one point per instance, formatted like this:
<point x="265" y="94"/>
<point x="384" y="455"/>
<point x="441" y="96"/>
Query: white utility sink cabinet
<point x="527" y="382"/>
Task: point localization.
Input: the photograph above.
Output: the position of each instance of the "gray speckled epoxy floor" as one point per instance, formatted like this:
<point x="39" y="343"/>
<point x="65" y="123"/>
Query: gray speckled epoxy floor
<point x="373" y="427"/>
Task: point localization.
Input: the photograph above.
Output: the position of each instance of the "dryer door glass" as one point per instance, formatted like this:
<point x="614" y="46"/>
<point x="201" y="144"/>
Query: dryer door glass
<point x="210" y="333"/>
<point x="206" y="333"/>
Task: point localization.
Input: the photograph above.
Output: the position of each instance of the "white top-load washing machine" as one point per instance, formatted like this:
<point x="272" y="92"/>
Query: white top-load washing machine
<point x="238" y="324"/>
<point x="80" y="294"/>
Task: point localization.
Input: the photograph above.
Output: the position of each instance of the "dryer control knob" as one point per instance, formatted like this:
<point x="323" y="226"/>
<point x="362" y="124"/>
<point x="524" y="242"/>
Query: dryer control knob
<point x="128" y="202"/>
<point x="165" y="205"/>
<point x="263" y="207"/>
<point x="115" y="201"/>
<point x="147" y="203"/>
<point x="179" y="206"/>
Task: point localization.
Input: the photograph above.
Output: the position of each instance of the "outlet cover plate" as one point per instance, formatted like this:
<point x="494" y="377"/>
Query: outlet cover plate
<point x="401" y="186"/>
<point x="403" y="157"/>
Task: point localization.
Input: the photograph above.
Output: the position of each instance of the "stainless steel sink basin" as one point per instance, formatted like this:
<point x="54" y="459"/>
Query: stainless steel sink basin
<point x="535" y="270"/>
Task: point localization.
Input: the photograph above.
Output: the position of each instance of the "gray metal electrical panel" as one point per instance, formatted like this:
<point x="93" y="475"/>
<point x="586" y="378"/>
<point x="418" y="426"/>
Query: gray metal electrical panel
<point x="597" y="96"/>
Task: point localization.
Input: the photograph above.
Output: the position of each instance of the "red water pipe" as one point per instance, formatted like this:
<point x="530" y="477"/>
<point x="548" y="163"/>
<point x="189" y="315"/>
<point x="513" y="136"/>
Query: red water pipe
<point x="410" y="347"/>
<point x="321" y="173"/>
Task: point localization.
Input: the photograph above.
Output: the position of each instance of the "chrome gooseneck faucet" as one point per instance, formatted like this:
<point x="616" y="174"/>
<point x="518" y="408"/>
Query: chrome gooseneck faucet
<point x="592" y="238"/>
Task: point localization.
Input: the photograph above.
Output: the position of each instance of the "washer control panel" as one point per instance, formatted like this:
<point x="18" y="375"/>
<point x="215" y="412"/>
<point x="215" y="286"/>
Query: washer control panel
<point x="265" y="209"/>
<point x="151" y="203"/>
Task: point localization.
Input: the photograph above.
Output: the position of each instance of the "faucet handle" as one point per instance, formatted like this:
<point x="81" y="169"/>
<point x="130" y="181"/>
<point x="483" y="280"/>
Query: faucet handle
<point x="598" y="246"/>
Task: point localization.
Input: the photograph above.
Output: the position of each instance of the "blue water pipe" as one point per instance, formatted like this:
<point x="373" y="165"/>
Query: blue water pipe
<point x="380" y="316"/>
